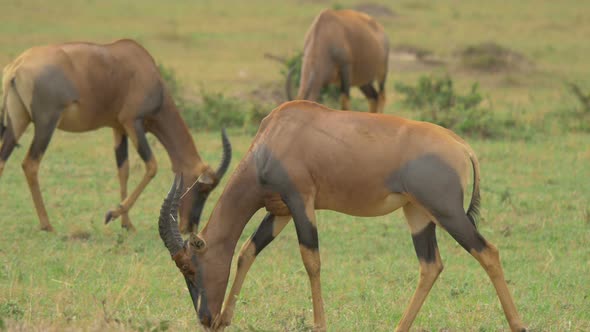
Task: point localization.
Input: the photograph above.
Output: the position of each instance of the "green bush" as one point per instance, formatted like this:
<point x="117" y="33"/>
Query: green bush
<point x="215" y="110"/>
<point x="436" y="101"/>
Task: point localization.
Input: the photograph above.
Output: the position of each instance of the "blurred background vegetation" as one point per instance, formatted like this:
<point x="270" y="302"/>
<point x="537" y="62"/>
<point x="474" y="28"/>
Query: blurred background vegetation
<point x="511" y="76"/>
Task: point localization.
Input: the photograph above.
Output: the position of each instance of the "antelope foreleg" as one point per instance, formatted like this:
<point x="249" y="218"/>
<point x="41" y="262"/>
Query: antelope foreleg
<point x="345" y="87"/>
<point x="307" y="235"/>
<point x="268" y="230"/>
<point x="137" y="134"/>
<point x="381" y="98"/>
<point x="121" y="157"/>
<point x="371" y="95"/>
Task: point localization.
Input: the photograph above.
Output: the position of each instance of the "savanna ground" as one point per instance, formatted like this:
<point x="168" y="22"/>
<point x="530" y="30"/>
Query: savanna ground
<point x="536" y="188"/>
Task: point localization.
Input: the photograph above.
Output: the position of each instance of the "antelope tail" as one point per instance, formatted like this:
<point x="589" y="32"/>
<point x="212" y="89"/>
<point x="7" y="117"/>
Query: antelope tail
<point x="473" y="210"/>
<point x="3" y="113"/>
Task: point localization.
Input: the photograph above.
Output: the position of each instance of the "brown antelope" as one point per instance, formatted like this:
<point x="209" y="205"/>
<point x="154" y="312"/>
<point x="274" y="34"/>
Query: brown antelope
<point x="346" y="47"/>
<point x="79" y="87"/>
<point x="306" y="157"/>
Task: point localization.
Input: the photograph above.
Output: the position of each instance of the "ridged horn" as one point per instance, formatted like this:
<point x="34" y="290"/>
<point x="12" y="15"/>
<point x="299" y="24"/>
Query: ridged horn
<point x="167" y="226"/>
<point x="226" y="159"/>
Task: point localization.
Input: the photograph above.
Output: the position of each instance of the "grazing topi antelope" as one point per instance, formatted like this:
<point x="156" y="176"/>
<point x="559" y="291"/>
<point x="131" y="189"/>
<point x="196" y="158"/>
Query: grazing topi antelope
<point x="346" y="47"/>
<point x="306" y="157"/>
<point x="79" y="87"/>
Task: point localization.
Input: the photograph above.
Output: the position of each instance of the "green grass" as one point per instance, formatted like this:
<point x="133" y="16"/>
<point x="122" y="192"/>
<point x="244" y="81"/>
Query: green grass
<point x="536" y="208"/>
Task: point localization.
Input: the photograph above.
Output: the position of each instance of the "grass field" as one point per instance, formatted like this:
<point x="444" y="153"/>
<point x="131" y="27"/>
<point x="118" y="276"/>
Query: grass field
<point x="536" y="191"/>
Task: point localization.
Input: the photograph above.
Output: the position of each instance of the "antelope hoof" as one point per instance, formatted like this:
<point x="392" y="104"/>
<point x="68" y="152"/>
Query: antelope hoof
<point x="221" y="322"/>
<point x="108" y="217"/>
<point x="47" y="228"/>
<point x="112" y="214"/>
<point x="128" y="227"/>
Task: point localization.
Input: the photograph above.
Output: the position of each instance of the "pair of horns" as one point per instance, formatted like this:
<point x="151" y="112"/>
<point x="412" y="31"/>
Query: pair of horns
<point x="167" y="223"/>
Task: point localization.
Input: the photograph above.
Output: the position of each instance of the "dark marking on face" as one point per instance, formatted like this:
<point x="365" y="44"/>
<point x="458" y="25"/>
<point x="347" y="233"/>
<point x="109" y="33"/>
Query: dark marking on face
<point x="273" y="176"/>
<point x="187" y="263"/>
<point x="263" y="235"/>
<point x="121" y="151"/>
<point x="199" y="200"/>
<point x="143" y="148"/>
<point x="52" y="91"/>
<point x="437" y="187"/>
<point x="425" y="243"/>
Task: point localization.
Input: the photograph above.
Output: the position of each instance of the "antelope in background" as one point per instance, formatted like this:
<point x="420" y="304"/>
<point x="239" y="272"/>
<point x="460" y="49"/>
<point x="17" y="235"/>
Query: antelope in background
<point x="346" y="47"/>
<point x="79" y="87"/>
<point x="306" y="157"/>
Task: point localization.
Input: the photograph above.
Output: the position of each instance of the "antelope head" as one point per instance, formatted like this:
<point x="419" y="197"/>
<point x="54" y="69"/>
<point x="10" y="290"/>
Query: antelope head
<point x="184" y="253"/>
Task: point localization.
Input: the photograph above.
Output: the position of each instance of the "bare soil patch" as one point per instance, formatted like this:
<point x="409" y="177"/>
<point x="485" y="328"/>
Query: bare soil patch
<point x="79" y="235"/>
<point x="491" y="57"/>
<point x="407" y="57"/>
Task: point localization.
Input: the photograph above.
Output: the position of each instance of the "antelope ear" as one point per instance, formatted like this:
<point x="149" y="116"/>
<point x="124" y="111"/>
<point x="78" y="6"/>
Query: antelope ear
<point x="206" y="178"/>
<point x="197" y="243"/>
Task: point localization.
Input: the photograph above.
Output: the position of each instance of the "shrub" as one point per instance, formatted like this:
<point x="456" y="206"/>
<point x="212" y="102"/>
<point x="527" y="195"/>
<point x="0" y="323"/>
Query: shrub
<point x="215" y="110"/>
<point x="436" y="101"/>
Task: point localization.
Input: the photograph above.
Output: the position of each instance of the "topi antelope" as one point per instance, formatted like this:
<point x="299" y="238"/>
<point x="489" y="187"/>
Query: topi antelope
<point x="79" y="87"/>
<point x="306" y="157"/>
<point x="346" y="47"/>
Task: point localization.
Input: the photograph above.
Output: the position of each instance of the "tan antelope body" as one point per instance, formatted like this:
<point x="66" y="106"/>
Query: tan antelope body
<point x="307" y="157"/>
<point x="349" y="48"/>
<point x="79" y="87"/>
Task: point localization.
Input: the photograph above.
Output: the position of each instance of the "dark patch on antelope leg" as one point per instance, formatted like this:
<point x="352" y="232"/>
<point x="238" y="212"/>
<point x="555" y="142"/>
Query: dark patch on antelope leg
<point x="143" y="148"/>
<point x="425" y="243"/>
<point x="382" y="86"/>
<point x="121" y="151"/>
<point x="150" y="105"/>
<point x="52" y="91"/>
<point x="272" y="175"/>
<point x="264" y="234"/>
<point x="463" y="231"/>
<point x="369" y="91"/>
<point x="153" y="100"/>
<point x="52" y="88"/>
<point x="437" y="187"/>
<point x="344" y="80"/>
<point x="307" y="233"/>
